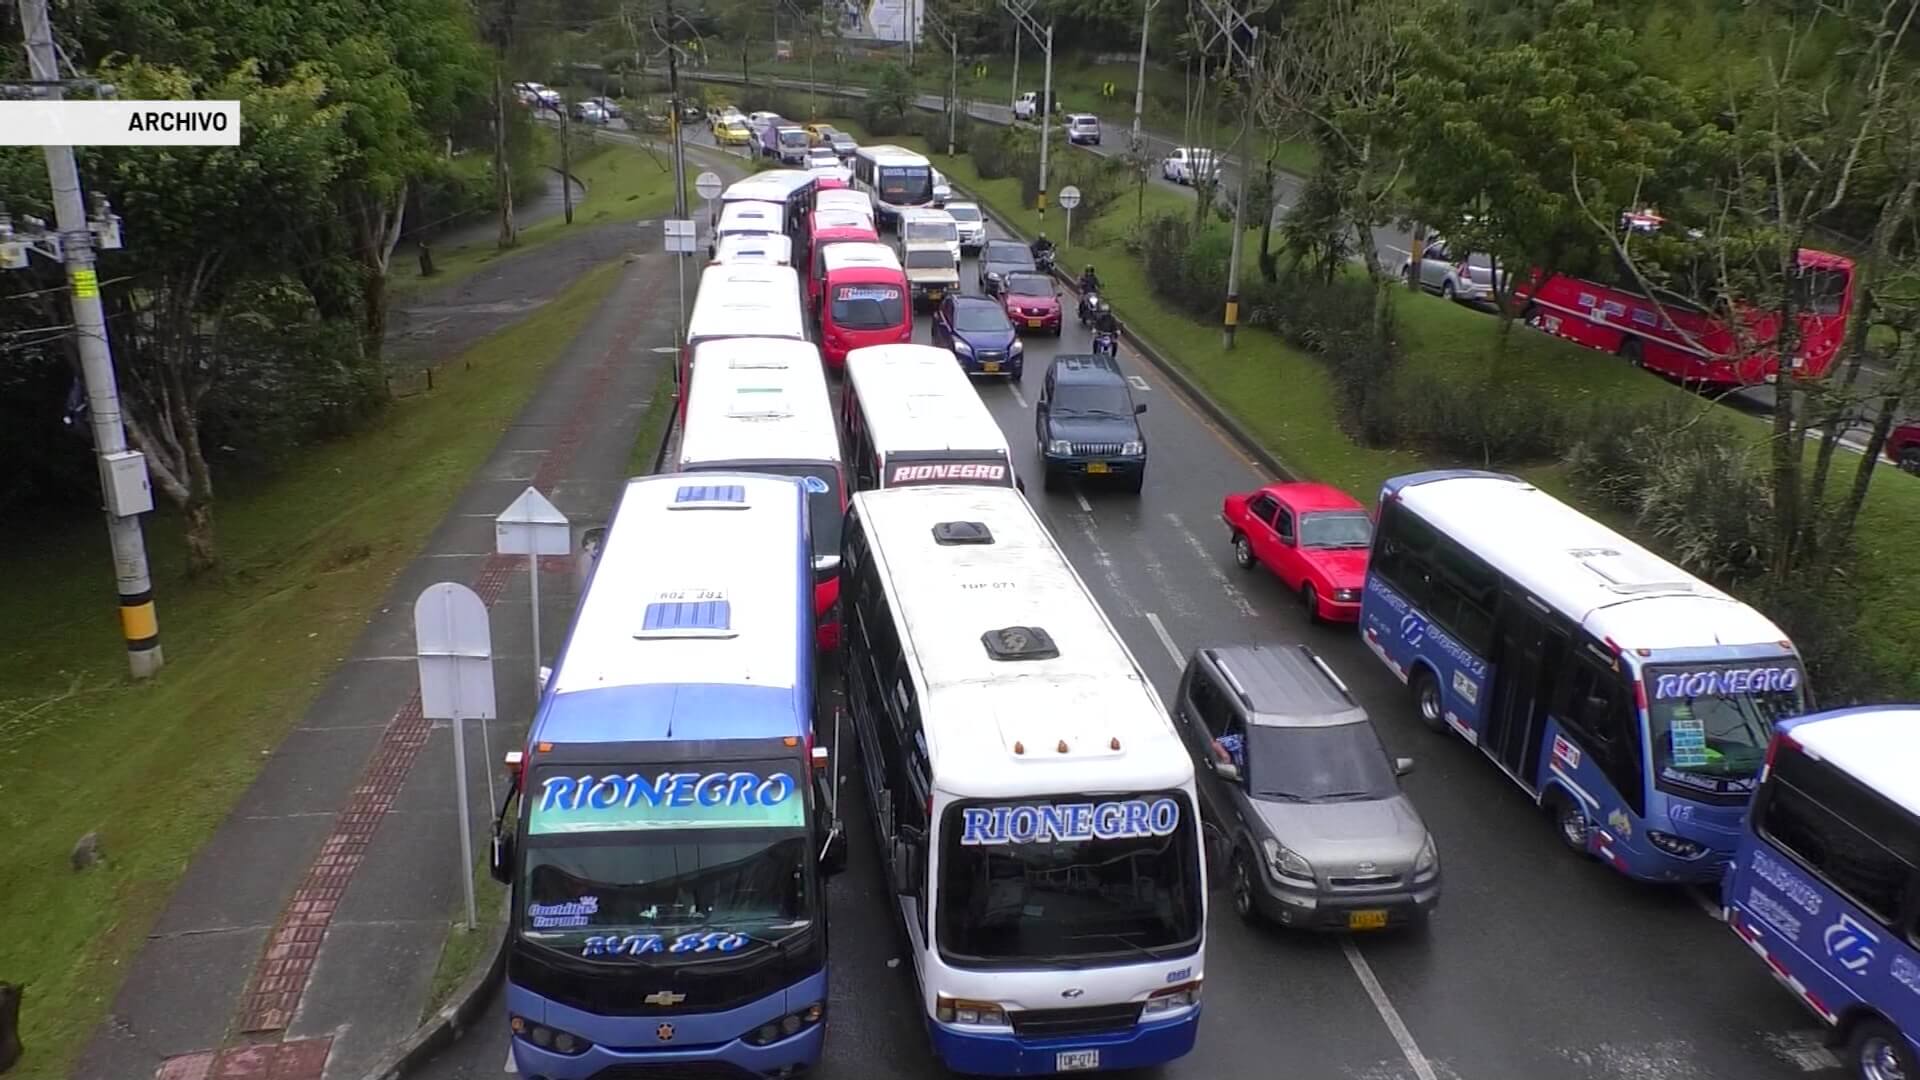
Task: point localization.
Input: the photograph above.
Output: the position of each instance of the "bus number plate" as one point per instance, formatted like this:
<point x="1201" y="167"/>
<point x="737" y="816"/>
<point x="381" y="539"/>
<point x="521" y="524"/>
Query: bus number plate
<point x="1076" y="1060"/>
<point x="1366" y="920"/>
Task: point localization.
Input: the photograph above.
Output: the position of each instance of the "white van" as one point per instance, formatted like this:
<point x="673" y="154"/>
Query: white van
<point x="929" y="227"/>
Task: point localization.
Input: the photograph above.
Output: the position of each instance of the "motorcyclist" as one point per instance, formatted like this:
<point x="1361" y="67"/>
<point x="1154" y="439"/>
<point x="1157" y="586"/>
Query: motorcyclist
<point x="1106" y="327"/>
<point x="1089" y="290"/>
<point x="1042" y="248"/>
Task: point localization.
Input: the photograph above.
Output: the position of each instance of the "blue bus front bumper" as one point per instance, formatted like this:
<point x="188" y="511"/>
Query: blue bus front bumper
<point x="1006" y="1054"/>
<point x="636" y="1041"/>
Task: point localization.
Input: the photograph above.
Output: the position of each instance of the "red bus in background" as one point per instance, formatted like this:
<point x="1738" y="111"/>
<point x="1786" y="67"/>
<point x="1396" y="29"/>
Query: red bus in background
<point x="1691" y="343"/>
<point x="863" y="300"/>
<point x="831" y="227"/>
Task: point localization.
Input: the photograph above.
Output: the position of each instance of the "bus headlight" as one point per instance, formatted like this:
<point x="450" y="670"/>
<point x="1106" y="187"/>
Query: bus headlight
<point x="549" y="1038"/>
<point x="1184" y="996"/>
<point x="1677" y="846"/>
<point x="949" y="1010"/>
<point x="1428" y="864"/>
<point x="787" y="1026"/>
<point x="1284" y="865"/>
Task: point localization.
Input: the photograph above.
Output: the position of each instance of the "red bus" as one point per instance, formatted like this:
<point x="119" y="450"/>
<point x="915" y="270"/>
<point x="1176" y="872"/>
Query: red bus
<point x="863" y="300"/>
<point x="761" y="405"/>
<point x="831" y="227"/>
<point x="1691" y="343"/>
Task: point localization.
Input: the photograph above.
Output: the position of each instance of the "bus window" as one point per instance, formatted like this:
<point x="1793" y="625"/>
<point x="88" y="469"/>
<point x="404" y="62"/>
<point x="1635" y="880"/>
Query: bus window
<point x="1595" y="709"/>
<point x="1400" y="553"/>
<point x="1710" y="722"/>
<point x="1831" y="824"/>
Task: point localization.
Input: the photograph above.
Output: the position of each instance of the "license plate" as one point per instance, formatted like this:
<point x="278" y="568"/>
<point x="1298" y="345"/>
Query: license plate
<point x="991" y="365"/>
<point x="934" y="294"/>
<point x="1096" y="468"/>
<point x="1366" y="920"/>
<point x="1076" y="1060"/>
<point x="1035" y="324"/>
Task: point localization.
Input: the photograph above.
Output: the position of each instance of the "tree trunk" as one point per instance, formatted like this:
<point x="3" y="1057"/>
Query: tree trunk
<point x="203" y="555"/>
<point x="1787" y="453"/>
<point x="502" y="170"/>
<point x="1268" y="270"/>
<point x="1840" y="530"/>
<point x="566" y="160"/>
<point x="10" y="1048"/>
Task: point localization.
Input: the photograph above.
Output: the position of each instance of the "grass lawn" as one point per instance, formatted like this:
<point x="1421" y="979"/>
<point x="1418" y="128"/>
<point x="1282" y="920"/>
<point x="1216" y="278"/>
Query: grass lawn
<point x="154" y="767"/>
<point x="623" y="184"/>
<point x="1285" y="398"/>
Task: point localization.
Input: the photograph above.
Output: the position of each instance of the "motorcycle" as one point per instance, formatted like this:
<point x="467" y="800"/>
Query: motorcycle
<point x="1043" y="261"/>
<point x="1106" y="343"/>
<point x="1089" y="307"/>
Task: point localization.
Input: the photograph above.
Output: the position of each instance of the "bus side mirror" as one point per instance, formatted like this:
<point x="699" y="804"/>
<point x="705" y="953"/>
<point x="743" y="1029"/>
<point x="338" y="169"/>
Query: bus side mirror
<point x="1219" y="851"/>
<point x="906" y="865"/>
<point x="833" y="853"/>
<point x="500" y="858"/>
<point x="1140" y="408"/>
<point x="1227" y="770"/>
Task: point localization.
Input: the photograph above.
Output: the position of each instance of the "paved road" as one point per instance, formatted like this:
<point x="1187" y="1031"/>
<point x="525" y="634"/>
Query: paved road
<point x="1538" y="966"/>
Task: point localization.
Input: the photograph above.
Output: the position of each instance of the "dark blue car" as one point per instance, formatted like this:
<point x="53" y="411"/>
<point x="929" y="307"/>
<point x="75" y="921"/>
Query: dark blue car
<point x="1087" y="425"/>
<point x="981" y="336"/>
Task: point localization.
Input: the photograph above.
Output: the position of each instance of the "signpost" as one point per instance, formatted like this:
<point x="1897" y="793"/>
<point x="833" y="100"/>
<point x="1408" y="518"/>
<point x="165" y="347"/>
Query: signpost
<point x="709" y="185"/>
<point x="453" y="645"/>
<point x="533" y="527"/>
<point x="1069" y="198"/>
<point x="681" y="242"/>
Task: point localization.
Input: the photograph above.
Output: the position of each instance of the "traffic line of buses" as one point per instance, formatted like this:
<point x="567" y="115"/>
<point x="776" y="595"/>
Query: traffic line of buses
<point x="1037" y="815"/>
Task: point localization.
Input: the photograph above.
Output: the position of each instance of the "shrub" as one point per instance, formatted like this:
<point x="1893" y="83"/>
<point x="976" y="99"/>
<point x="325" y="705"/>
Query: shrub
<point x="1471" y="420"/>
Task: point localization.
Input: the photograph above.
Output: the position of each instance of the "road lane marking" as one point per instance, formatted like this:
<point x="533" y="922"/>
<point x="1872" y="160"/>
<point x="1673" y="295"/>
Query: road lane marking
<point x="510" y="1067"/>
<point x="1017" y="395"/>
<point x="1207" y="563"/>
<point x="1166" y="640"/>
<point x="1081" y="498"/>
<point x="1422" y="1068"/>
<point x="1706" y="903"/>
<point x="1138" y="383"/>
<point x="1107" y="568"/>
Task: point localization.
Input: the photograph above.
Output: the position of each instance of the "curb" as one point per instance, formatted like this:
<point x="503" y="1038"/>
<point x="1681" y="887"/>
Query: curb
<point x="1206" y="402"/>
<point x="454" y="1018"/>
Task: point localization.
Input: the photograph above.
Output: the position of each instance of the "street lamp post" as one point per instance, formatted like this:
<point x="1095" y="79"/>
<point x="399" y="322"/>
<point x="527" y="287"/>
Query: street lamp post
<point x="1022" y="12"/>
<point x="1140" y="71"/>
<point x="1232" y="23"/>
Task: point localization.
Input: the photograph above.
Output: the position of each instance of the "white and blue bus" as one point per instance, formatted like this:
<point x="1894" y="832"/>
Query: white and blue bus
<point x="668" y="865"/>
<point x="1631" y="699"/>
<point x="896" y="180"/>
<point x="1033" y="807"/>
<point x="1826" y="887"/>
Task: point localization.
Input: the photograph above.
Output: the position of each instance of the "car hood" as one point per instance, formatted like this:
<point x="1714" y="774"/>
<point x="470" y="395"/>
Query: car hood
<point x="933" y="273"/>
<point x="1004" y="268"/>
<point x="1033" y="303"/>
<point x="1337" y="837"/>
<point x="1346" y="568"/>
<point x="990" y="340"/>
<point x="1089" y="429"/>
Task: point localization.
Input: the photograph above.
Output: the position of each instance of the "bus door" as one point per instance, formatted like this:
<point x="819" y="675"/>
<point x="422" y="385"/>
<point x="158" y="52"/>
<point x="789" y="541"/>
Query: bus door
<point x="1530" y="646"/>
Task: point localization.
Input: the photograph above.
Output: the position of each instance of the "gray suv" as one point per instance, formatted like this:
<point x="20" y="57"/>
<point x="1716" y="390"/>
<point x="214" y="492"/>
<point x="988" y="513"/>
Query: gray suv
<point x="1300" y="796"/>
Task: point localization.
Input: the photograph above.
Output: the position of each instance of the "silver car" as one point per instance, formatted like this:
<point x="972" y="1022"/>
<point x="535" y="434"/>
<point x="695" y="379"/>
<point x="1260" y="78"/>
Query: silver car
<point x="1302" y="803"/>
<point x="1469" y="279"/>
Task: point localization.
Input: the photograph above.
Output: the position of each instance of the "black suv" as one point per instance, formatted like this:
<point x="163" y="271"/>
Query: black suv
<point x="1085" y="423"/>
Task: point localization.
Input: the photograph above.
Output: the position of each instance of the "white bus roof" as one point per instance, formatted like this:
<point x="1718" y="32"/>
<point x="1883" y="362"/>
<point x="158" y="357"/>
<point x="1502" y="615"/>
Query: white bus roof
<point x="995" y="728"/>
<point x="1615" y="588"/>
<point x="774" y="185"/>
<point x="738" y="248"/>
<point x="915" y="397"/>
<point x="1876" y="745"/>
<point x="851" y="254"/>
<point x="753" y="214"/>
<point x="703" y="580"/>
<point x="747" y="300"/>
<point x="837" y="217"/>
<point x="843" y="198"/>
<point x="758" y="400"/>
<point x="888" y="154"/>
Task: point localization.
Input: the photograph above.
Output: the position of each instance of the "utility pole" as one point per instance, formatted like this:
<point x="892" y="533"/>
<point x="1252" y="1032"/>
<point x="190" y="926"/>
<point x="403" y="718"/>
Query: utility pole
<point x="1140" y="71"/>
<point x="679" y="164"/>
<point x="1022" y="12"/>
<point x="1232" y="24"/>
<point x="1013" y="96"/>
<point x="566" y="161"/>
<point x="502" y="168"/>
<point x="123" y="472"/>
<point x="949" y="31"/>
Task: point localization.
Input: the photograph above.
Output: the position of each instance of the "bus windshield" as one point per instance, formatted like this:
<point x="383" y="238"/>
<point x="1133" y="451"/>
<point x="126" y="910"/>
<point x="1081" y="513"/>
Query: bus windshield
<point x="610" y="872"/>
<point x="823" y="499"/>
<point x="906" y="185"/>
<point x="868" y="307"/>
<point x="1710" y="723"/>
<point x="1047" y="900"/>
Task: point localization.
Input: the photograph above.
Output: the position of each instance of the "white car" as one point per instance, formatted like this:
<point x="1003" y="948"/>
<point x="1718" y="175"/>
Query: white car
<point x="970" y="223"/>
<point x="1083" y="128"/>
<point x="822" y="157"/>
<point x="1184" y="164"/>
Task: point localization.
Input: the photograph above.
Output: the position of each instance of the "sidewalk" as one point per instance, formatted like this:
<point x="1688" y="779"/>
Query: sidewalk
<point x="303" y="938"/>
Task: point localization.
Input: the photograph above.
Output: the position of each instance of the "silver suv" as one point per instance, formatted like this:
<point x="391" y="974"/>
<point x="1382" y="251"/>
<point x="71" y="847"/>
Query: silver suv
<point x="1299" y="796"/>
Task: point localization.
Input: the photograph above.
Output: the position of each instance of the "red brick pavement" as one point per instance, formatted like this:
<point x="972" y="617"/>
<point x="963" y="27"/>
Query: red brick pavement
<point x="281" y="975"/>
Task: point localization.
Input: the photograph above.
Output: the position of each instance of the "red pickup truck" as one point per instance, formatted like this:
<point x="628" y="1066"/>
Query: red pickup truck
<point x="1312" y="536"/>
<point x="1903" y="446"/>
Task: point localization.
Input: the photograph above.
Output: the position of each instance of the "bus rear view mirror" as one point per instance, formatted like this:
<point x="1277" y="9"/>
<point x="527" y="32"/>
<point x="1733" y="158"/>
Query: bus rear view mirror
<point x="1219" y="851"/>
<point x="833" y="853"/>
<point x="500" y="858"/>
<point x="905" y="867"/>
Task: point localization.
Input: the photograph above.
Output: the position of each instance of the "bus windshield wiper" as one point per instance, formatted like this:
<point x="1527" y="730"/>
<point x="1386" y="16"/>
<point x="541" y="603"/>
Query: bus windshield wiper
<point x="1122" y="939"/>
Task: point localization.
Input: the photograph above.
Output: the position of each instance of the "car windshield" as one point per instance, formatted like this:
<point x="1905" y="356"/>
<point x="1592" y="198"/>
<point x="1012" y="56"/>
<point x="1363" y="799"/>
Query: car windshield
<point x="1337" y="763"/>
<point x="930" y="259"/>
<point x="980" y="318"/>
<point x="906" y="185"/>
<point x="1029" y="285"/>
<point x="1003" y="254"/>
<point x="1339" y="529"/>
<point x="1711" y="722"/>
<point x="868" y="307"/>
<point x="1091" y="399"/>
<point x="963" y="213"/>
<point x="1023" y="881"/>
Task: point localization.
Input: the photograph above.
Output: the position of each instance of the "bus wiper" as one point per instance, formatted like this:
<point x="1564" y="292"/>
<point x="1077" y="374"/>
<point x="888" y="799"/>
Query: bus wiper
<point x="1122" y="939"/>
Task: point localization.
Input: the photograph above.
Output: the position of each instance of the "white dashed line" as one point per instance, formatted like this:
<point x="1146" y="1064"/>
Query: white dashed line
<point x="1422" y="1068"/>
<point x="1081" y="498"/>
<point x="1138" y="383"/>
<point x="1017" y="395"/>
<point x="1707" y="904"/>
<point x="1208" y="562"/>
<point x="1166" y="639"/>
<point x="510" y="1067"/>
